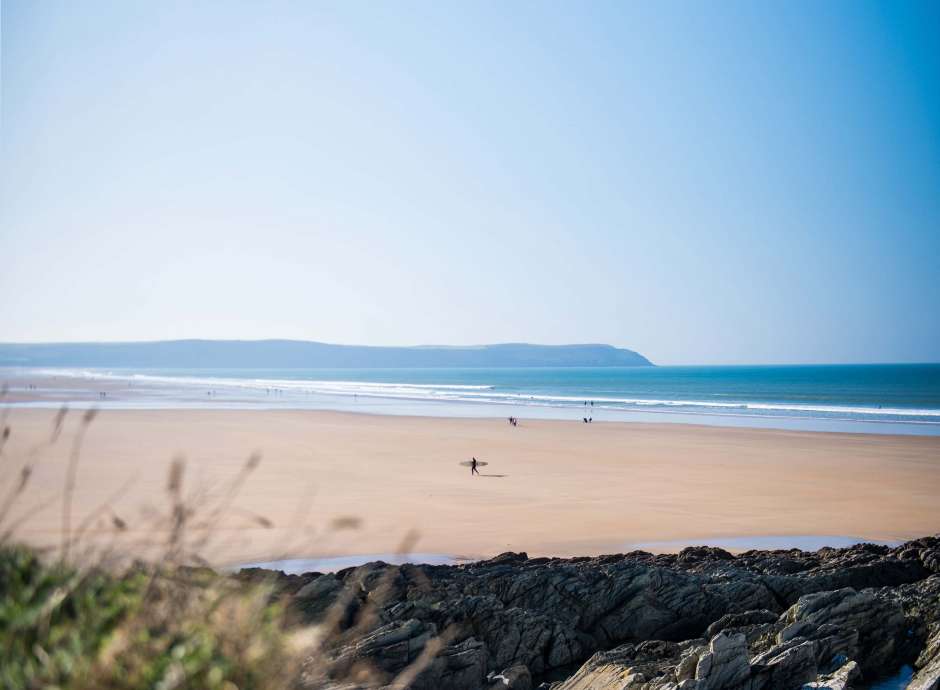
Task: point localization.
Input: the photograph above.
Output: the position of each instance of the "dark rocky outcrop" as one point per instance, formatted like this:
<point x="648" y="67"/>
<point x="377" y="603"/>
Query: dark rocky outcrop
<point x="703" y="619"/>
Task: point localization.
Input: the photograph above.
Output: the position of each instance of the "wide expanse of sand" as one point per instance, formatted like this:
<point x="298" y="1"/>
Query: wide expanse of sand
<point x="550" y="488"/>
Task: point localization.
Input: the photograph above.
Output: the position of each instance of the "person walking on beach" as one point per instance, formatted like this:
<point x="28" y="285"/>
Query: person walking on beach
<point x="473" y="467"/>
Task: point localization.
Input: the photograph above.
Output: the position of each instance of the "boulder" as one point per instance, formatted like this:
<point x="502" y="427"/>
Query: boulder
<point x="842" y="679"/>
<point x="856" y="624"/>
<point x="725" y="664"/>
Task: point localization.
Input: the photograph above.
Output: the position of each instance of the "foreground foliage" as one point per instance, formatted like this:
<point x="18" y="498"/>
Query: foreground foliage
<point x="61" y="627"/>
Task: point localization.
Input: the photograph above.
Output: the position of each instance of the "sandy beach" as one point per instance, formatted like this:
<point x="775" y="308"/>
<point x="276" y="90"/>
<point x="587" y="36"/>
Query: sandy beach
<point x="550" y="488"/>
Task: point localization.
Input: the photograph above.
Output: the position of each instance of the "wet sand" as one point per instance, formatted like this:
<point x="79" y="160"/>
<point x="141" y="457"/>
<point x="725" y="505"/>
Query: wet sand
<point x="550" y="488"/>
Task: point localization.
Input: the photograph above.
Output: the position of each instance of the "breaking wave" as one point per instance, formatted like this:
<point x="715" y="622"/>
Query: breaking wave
<point x="489" y="394"/>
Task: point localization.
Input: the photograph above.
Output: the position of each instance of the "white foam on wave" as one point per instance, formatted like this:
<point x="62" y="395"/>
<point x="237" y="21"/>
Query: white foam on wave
<point x="261" y="383"/>
<point x="486" y="393"/>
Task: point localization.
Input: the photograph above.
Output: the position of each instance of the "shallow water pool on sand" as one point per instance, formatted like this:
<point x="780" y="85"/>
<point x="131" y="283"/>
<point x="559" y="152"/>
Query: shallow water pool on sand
<point x="298" y="566"/>
<point x="295" y="566"/>
<point x="804" y="542"/>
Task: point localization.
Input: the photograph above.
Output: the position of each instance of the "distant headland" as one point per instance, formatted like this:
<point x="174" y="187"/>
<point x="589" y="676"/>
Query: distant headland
<point x="309" y="354"/>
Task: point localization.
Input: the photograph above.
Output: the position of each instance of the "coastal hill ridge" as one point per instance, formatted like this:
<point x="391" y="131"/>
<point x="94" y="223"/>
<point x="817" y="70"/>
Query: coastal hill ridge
<point x="310" y="354"/>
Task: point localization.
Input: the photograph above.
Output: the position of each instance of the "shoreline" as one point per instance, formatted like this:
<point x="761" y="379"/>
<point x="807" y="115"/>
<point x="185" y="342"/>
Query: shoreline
<point x="50" y="389"/>
<point x="554" y="488"/>
<point x="51" y="407"/>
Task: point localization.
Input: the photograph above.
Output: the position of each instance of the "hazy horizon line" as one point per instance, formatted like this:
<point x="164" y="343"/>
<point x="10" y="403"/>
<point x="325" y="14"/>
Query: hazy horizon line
<point x="461" y="346"/>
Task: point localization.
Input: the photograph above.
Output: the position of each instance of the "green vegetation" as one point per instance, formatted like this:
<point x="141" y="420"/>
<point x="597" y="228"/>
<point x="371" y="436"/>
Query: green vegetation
<point x="74" y="619"/>
<point x="61" y="627"/>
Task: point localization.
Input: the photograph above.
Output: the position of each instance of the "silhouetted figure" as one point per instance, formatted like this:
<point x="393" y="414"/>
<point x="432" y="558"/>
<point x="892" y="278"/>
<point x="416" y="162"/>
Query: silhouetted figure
<point x="473" y="467"/>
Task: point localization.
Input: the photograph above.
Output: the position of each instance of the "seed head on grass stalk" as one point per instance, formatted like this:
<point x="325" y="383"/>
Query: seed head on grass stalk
<point x="166" y="624"/>
<point x="70" y="477"/>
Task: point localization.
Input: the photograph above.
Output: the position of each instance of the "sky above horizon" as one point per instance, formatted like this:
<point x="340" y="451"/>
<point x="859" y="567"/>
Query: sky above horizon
<point x="724" y="182"/>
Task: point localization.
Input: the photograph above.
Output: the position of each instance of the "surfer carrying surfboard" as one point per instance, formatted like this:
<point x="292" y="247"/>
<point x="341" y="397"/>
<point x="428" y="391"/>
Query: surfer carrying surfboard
<point x="473" y="464"/>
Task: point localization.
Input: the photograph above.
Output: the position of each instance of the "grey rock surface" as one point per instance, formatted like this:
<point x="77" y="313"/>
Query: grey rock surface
<point x="703" y="619"/>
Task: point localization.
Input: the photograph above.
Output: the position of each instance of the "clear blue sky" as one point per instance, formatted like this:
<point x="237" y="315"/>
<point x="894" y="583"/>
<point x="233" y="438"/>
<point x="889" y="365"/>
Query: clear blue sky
<point x="702" y="182"/>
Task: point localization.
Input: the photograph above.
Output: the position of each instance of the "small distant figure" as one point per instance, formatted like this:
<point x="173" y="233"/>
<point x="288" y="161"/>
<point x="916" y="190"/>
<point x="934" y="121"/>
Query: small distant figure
<point x="513" y="421"/>
<point x="585" y="420"/>
<point x="473" y="467"/>
<point x="590" y="420"/>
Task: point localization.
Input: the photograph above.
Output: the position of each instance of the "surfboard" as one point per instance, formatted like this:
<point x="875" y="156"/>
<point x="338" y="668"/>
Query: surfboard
<point x="469" y="463"/>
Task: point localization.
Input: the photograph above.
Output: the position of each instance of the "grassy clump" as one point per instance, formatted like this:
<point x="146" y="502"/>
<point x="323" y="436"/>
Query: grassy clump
<point x="53" y="620"/>
<point x="80" y="622"/>
<point x="61" y="627"/>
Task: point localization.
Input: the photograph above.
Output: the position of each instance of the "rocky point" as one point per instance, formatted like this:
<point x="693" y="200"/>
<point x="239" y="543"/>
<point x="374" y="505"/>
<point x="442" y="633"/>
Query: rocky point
<point x="703" y="619"/>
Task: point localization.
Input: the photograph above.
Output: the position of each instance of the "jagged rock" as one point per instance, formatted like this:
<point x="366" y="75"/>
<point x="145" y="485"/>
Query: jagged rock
<point x="513" y="678"/>
<point x="392" y="646"/>
<point x="927" y="676"/>
<point x="316" y="597"/>
<point x="842" y="679"/>
<point x="725" y="664"/>
<point x="722" y="665"/>
<point x="789" y="665"/>
<point x="697" y="554"/>
<point x="700" y="620"/>
<point x="926" y="550"/>
<point x="627" y="667"/>
<point x="860" y="625"/>
<point x="921" y="602"/>
<point x="461" y="666"/>
<point x="741" y="621"/>
<point x="685" y="669"/>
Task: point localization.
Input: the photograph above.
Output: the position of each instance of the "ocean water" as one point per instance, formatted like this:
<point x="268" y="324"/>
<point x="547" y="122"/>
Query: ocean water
<point x="879" y="398"/>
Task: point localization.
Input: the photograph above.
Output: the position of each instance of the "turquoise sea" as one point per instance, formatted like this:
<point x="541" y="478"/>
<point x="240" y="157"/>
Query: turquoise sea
<point x="876" y="398"/>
